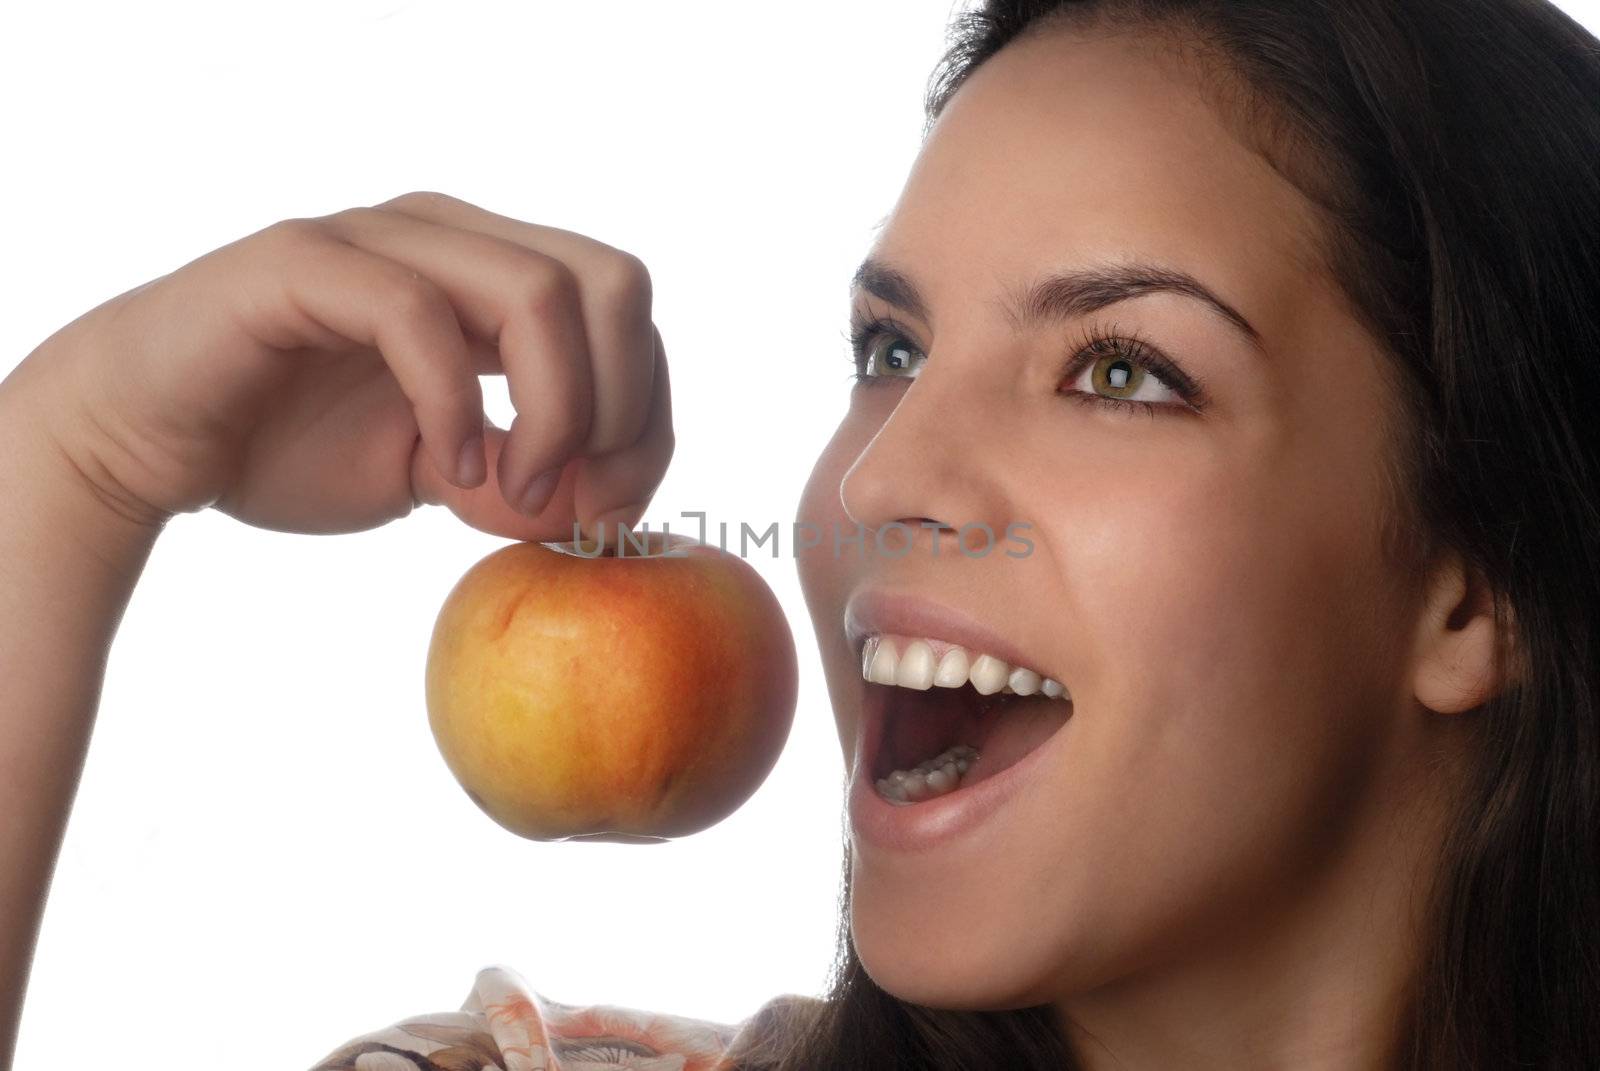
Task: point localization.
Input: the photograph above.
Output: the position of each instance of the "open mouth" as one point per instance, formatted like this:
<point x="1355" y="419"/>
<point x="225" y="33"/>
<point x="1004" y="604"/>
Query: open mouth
<point x="927" y="742"/>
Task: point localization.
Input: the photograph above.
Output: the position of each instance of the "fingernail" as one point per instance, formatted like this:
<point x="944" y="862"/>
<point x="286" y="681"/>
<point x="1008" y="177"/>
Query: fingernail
<point x="538" y="492"/>
<point x="470" y="471"/>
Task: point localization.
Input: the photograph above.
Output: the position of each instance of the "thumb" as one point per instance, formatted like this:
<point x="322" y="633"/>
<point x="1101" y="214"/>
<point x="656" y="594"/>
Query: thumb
<point x="484" y="507"/>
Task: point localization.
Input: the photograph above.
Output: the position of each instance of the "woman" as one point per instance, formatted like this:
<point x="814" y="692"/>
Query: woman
<point x="1273" y="323"/>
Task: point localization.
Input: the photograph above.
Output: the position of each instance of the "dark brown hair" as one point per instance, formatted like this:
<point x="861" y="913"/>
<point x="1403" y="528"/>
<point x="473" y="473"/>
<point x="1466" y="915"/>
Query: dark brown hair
<point x="1454" y="148"/>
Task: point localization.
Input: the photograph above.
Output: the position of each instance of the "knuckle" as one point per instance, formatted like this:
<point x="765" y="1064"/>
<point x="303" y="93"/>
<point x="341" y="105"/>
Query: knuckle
<point x="353" y="219"/>
<point x="413" y="299"/>
<point x="295" y="233"/>
<point x="549" y="287"/>
<point x="623" y="282"/>
<point x="419" y="200"/>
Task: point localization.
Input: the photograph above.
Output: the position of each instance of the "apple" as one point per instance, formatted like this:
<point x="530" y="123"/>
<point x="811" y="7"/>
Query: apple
<point x="619" y="694"/>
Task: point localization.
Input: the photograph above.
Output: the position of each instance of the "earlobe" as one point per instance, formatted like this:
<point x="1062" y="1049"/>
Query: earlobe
<point x="1456" y="665"/>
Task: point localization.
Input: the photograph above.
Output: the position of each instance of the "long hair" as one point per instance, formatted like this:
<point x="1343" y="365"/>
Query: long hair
<point x="1453" y="147"/>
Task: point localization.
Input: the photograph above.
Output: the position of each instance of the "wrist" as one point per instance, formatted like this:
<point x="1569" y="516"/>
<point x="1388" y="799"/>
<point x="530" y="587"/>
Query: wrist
<point x="48" y="491"/>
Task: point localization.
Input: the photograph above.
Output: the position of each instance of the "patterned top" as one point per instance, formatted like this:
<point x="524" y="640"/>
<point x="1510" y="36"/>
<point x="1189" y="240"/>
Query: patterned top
<point x="505" y="1026"/>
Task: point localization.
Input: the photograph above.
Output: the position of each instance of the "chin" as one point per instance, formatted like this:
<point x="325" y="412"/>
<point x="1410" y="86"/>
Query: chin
<point x="949" y="965"/>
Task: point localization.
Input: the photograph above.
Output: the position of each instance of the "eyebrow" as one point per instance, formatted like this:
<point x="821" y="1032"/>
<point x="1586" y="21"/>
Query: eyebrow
<point x="1064" y="295"/>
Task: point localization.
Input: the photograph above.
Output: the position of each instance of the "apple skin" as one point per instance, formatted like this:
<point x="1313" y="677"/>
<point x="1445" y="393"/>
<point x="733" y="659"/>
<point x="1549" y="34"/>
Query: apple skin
<point x="625" y="697"/>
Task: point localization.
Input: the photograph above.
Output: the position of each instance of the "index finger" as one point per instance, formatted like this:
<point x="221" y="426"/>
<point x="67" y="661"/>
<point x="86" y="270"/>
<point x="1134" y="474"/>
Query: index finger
<point x="614" y="293"/>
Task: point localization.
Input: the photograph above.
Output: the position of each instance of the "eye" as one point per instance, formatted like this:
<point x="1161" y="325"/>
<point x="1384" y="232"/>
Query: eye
<point x="1128" y="374"/>
<point x="1108" y="369"/>
<point x="880" y="349"/>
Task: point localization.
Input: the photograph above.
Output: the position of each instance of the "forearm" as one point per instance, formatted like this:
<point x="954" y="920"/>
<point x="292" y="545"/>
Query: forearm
<point x="68" y="564"/>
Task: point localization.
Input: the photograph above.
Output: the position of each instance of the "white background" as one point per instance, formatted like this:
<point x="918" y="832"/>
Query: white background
<point x="267" y="855"/>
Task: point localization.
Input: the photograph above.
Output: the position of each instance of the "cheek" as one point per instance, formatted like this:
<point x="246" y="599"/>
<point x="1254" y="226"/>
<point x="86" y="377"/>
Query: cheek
<point x="1229" y="595"/>
<point x="1218" y="617"/>
<point x="1219" y="628"/>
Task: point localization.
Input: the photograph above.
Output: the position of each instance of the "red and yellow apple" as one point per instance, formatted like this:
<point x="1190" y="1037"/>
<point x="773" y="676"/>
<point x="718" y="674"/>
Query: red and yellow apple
<point x="625" y="695"/>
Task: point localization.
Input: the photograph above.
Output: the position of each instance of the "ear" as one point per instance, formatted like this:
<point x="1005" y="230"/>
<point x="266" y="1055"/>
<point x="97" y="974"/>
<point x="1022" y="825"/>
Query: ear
<point x="1455" y="667"/>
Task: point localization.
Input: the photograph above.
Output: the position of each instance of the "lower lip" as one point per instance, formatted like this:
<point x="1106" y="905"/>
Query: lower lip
<point x="934" y="823"/>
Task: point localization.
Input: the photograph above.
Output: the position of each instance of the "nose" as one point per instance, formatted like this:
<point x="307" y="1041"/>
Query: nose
<point x="927" y="470"/>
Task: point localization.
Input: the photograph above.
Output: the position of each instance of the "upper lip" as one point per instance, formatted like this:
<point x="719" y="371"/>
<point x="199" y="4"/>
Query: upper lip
<point x="871" y="611"/>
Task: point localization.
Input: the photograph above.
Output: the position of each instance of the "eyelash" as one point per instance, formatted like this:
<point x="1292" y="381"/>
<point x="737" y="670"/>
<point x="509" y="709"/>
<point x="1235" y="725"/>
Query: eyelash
<point x="1095" y="342"/>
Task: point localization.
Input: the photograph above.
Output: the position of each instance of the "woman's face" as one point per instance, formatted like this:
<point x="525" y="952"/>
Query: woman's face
<point x="1206" y="582"/>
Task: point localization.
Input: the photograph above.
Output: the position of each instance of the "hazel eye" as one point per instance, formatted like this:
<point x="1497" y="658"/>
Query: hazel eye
<point x="891" y="355"/>
<point x="1121" y="377"/>
<point x="1124" y="376"/>
<point x="885" y="354"/>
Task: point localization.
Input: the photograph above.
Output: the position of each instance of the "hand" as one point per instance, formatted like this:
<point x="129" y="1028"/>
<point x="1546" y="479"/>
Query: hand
<point x="321" y="376"/>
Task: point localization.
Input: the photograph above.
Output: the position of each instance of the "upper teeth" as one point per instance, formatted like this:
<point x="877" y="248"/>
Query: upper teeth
<point x="909" y="662"/>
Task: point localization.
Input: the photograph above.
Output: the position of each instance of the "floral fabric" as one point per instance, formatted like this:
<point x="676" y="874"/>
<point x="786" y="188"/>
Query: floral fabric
<point x="505" y="1026"/>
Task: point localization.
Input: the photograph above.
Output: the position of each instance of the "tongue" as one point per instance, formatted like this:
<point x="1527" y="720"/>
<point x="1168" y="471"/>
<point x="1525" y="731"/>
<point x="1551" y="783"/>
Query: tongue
<point x="1016" y="726"/>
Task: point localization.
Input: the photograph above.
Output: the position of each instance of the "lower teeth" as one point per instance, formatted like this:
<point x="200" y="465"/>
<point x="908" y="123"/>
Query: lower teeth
<point x="938" y="776"/>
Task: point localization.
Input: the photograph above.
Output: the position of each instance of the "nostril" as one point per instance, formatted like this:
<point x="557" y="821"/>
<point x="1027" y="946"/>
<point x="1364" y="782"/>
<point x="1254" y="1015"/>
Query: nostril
<point x="911" y="528"/>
